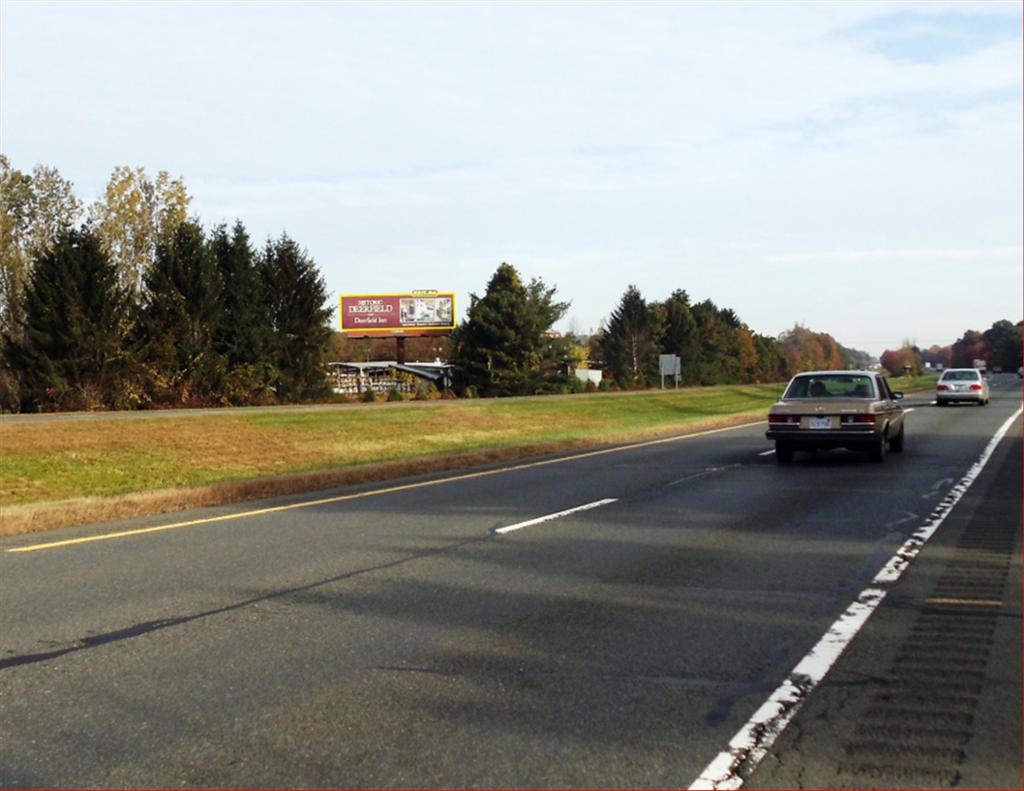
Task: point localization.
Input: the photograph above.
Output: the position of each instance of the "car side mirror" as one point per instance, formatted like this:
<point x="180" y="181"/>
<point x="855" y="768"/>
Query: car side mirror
<point x="897" y="396"/>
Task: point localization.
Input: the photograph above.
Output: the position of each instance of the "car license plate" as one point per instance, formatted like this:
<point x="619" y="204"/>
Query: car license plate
<point x="820" y="422"/>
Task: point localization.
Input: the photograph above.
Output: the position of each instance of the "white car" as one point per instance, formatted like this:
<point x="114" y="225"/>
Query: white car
<point x="961" y="384"/>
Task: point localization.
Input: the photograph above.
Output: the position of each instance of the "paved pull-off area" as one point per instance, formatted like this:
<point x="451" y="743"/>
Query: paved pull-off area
<point x="673" y="614"/>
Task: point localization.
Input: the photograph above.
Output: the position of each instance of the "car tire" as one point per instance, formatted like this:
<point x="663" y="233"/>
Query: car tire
<point x="783" y="452"/>
<point x="940" y="403"/>
<point x="896" y="443"/>
<point x="877" y="451"/>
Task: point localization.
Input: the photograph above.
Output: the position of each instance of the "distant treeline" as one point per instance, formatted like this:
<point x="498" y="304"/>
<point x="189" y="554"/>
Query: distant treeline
<point x="1000" y="346"/>
<point x="505" y="347"/>
<point x="131" y="303"/>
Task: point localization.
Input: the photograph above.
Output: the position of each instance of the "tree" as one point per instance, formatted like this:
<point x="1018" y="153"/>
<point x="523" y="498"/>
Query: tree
<point x="296" y="302"/>
<point x="812" y="351"/>
<point x="681" y="336"/>
<point x="905" y="359"/>
<point x="243" y="336"/>
<point x="134" y="213"/>
<point x="747" y="355"/>
<point x="720" y="363"/>
<point x="630" y="343"/>
<point x="34" y="210"/>
<point x="968" y="348"/>
<point x="503" y="346"/>
<point x="1003" y="341"/>
<point x="938" y="355"/>
<point x="181" y="313"/>
<point x="72" y="351"/>
<point x="772" y="363"/>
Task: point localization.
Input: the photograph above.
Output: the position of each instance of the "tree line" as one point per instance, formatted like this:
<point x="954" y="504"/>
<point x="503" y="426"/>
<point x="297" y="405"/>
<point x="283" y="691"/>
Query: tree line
<point x="505" y="345"/>
<point x="132" y="304"/>
<point x="1000" y="346"/>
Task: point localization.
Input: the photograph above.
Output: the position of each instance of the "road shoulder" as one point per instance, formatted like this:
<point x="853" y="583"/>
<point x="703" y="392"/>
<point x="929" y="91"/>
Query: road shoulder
<point x="930" y="694"/>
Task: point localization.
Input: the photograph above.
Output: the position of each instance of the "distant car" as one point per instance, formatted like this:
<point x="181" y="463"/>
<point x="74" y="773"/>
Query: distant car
<point x="961" y="384"/>
<point x="819" y="410"/>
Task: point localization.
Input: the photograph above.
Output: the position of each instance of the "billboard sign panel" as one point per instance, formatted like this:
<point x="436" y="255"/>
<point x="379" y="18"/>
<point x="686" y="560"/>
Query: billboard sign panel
<point x="398" y="315"/>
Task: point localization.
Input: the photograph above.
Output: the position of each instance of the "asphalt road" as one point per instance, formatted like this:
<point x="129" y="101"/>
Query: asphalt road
<point x="391" y="637"/>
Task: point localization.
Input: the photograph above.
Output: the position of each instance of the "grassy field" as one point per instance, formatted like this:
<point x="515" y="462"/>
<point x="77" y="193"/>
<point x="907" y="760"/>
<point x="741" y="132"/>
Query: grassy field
<point x="62" y="472"/>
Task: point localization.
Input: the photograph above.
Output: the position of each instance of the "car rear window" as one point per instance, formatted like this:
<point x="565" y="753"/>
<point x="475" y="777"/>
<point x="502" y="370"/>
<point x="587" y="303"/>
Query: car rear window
<point x="831" y="386"/>
<point x="961" y="376"/>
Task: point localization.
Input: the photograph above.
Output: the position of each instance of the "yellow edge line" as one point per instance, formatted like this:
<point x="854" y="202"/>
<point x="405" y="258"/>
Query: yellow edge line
<point x="966" y="602"/>
<point x="388" y="490"/>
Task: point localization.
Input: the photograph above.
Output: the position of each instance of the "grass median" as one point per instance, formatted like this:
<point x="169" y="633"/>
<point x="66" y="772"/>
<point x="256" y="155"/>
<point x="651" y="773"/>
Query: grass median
<point x="73" y="471"/>
<point x="67" y="472"/>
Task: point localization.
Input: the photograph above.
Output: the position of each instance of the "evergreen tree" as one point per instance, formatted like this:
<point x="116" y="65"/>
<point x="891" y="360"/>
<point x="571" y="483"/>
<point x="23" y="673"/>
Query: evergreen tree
<point x="71" y="348"/>
<point x="243" y="337"/>
<point x="295" y="296"/>
<point x="502" y="348"/>
<point x="631" y="341"/>
<point x="181" y="313"/>
<point x="681" y="335"/>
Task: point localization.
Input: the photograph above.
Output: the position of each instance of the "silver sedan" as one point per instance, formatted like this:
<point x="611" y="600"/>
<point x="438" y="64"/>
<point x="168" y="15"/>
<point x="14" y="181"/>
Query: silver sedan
<point x="961" y="384"/>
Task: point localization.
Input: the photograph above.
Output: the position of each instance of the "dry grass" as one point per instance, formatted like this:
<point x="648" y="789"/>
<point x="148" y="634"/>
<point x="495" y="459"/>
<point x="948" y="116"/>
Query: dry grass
<point x="193" y="442"/>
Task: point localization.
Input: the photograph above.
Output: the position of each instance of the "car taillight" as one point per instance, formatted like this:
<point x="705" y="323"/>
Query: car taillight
<point x="854" y="419"/>
<point x="975" y="387"/>
<point x="783" y="418"/>
<point x="942" y="387"/>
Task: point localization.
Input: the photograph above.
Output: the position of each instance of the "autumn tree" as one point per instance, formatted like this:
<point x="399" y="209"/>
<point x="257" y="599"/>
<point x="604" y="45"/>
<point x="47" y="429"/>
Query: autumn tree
<point x="133" y="214"/>
<point x="747" y="356"/>
<point x="720" y="355"/>
<point x="812" y="351"/>
<point x="967" y="348"/>
<point x="906" y="359"/>
<point x="34" y="209"/>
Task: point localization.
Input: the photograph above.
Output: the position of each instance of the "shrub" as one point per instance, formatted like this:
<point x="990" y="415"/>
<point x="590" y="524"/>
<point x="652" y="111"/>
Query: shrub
<point x="394" y="394"/>
<point x="425" y="391"/>
<point x="368" y="396"/>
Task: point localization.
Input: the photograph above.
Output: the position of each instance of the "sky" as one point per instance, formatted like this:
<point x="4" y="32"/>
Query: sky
<point x="854" y="167"/>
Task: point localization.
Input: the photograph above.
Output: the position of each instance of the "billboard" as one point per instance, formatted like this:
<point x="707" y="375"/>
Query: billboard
<point x="397" y="315"/>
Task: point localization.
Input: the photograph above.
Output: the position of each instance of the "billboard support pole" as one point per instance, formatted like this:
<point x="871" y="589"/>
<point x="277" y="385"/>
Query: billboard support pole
<point x="400" y="350"/>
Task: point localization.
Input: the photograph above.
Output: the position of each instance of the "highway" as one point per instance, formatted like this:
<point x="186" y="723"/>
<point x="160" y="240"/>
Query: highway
<point x="598" y="619"/>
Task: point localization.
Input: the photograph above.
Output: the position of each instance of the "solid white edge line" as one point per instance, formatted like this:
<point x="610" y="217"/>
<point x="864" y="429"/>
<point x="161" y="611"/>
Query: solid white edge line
<point x="767" y="452"/>
<point x="898" y="563"/>
<point x="549" y="517"/>
<point x="753" y="740"/>
<point x="751" y="743"/>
